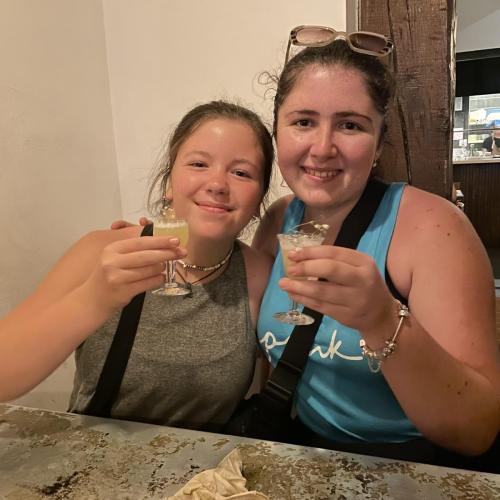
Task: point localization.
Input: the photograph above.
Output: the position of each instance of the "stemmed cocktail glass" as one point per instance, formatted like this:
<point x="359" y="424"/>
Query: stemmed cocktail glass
<point x="292" y="241"/>
<point x="168" y="224"/>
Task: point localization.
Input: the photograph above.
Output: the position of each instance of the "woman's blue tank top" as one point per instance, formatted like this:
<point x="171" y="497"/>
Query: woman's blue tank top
<point x="338" y="396"/>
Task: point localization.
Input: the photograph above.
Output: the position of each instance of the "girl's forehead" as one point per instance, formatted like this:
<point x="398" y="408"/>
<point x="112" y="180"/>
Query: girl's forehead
<point x="223" y="136"/>
<point x="221" y="126"/>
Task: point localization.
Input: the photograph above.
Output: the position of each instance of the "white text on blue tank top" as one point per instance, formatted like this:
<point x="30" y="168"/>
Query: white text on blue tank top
<point x="269" y="342"/>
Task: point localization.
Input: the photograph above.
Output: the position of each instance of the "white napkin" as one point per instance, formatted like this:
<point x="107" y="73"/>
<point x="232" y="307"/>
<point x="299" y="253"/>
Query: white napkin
<point x="224" y="482"/>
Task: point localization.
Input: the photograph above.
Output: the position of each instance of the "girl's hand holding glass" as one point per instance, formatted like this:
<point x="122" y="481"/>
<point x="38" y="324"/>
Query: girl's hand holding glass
<point x="168" y="224"/>
<point x="128" y="267"/>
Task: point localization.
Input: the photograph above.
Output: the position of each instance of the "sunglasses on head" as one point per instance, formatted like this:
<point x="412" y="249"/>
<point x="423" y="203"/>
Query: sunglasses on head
<point x="364" y="42"/>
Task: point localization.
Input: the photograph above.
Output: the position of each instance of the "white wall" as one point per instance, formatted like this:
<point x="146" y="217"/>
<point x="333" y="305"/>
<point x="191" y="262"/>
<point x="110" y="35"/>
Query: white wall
<point x="478" y="25"/>
<point x="89" y="90"/>
<point x="166" y="56"/>
<point x="58" y="174"/>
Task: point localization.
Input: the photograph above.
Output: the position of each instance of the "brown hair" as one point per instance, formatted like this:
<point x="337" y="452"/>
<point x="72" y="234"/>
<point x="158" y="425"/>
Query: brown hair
<point x="379" y="80"/>
<point x="189" y="123"/>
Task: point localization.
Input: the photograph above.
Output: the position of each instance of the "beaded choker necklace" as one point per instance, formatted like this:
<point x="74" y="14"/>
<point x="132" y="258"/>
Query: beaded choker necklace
<point x="185" y="265"/>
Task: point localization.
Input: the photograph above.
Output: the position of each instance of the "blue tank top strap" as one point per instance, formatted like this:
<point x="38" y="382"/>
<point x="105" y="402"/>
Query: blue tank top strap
<point x="377" y="238"/>
<point x="293" y="215"/>
<point x="381" y="226"/>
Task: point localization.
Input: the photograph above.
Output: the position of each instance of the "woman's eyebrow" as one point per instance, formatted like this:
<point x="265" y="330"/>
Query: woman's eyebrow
<point x="309" y="112"/>
<point x="340" y="114"/>
<point x="343" y="114"/>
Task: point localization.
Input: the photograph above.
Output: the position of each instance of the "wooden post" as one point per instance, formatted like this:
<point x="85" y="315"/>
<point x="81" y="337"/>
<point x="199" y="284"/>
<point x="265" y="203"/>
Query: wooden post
<point x="420" y="125"/>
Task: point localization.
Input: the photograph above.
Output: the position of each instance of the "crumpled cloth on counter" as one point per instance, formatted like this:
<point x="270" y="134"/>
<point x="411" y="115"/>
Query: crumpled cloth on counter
<point x="224" y="482"/>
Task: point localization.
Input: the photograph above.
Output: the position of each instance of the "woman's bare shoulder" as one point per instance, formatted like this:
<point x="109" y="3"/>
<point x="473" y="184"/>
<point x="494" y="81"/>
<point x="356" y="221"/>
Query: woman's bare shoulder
<point x="270" y="225"/>
<point x="426" y="215"/>
<point x="434" y="237"/>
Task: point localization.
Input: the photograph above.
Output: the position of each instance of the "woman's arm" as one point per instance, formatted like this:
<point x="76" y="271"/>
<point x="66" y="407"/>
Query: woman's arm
<point x="97" y="276"/>
<point x="445" y="370"/>
<point x="451" y="390"/>
<point x="258" y="267"/>
<point x="265" y="238"/>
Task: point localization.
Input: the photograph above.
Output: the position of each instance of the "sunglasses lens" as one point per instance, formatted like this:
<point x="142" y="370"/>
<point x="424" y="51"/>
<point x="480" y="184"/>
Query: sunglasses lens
<point x="312" y="35"/>
<point x="369" y="42"/>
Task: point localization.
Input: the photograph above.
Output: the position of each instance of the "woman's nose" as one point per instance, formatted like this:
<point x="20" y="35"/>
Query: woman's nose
<point x="323" y="145"/>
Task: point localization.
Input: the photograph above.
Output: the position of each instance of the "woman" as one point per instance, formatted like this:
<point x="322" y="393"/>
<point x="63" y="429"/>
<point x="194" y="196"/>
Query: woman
<point x="442" y="379"/>
<point x="215" y="174"/>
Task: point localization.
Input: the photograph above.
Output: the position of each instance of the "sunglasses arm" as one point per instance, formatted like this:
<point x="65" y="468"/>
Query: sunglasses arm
<point x="288" y="49"/>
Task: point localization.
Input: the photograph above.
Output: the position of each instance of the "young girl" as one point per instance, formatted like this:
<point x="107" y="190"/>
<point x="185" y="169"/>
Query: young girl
<point x="193" y="357"/>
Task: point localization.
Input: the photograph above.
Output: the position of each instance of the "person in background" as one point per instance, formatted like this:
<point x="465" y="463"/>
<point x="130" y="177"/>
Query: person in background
<point x="492" y="142"/>
<point x="193" y="358"/>
<point x="495" y="146"/>
<point x="440" y="382"/>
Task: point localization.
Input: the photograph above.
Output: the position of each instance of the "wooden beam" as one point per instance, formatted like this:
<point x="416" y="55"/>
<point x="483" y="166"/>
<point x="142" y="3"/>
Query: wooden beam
<point x="420" y="124"/>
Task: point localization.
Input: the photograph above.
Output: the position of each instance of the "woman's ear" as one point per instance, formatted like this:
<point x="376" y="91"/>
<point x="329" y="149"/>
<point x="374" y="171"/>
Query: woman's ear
<point x="378" y="152"/>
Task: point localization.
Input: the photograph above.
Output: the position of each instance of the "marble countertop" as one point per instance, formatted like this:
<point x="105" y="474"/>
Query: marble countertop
<point x="477" y="160"/>
<point x="46" y="454"/>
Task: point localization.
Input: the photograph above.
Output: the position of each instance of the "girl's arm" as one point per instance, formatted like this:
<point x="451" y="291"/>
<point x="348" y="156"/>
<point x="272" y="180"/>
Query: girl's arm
<point x="97" y="276"/>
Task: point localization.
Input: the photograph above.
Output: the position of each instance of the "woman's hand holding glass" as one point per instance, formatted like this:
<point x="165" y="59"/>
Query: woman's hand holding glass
<point x="289" y="242"/>
<point x="353" y="291"/>
<point x="128" y="267"/>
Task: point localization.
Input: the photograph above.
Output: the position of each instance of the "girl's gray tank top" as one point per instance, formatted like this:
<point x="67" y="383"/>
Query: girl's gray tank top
<point x="192" y="361"/>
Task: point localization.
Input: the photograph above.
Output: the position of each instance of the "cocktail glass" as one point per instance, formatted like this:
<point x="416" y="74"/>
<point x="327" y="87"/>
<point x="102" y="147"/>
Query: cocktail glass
<point x="168" y="224"/>
<point x="293" y="241"/>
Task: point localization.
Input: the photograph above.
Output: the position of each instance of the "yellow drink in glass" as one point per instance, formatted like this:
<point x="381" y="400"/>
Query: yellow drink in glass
<point x="167" y="224"/>
<point x="174" y="229"/>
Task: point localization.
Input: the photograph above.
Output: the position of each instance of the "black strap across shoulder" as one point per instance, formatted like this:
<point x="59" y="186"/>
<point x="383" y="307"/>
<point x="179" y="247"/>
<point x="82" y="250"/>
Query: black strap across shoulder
<point x="281" y="385"/>
<point x="116" y="362"/>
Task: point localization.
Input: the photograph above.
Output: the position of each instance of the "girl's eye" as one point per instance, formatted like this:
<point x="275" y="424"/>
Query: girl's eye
<point x="197" y="164"/>
<point x="350" y="126"/>
<point x="241" y="173"/>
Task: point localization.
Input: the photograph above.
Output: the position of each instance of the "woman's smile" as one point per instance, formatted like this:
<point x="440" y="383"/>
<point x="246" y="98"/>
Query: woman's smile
<point x="321" y="174"/>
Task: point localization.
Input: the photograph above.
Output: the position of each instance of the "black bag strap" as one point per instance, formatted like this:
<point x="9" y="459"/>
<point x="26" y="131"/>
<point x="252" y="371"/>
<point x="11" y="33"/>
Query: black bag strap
<point x="281" y="385"/>
<point x="116" y="362"/>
